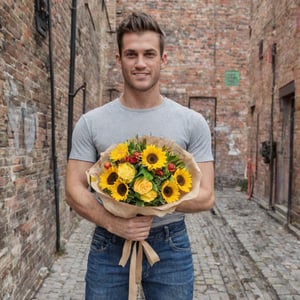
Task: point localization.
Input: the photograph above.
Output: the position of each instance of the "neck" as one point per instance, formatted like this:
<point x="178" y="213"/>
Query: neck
<point x="141" y="101"/>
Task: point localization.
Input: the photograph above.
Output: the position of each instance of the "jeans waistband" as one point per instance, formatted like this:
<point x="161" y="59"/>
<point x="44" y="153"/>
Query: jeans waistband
<point x="159" y="232"/>
<point x="166" y="230"/>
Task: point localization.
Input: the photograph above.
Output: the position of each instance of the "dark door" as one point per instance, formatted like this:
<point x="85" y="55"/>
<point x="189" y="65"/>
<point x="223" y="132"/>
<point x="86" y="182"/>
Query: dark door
<point x="207" y="107"/>
<point x="284" y="170"/>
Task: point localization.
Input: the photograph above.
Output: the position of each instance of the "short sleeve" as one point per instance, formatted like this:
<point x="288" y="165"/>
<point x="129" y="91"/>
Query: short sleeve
<point x="83" y="147"/>
<point x="200" y="141"/>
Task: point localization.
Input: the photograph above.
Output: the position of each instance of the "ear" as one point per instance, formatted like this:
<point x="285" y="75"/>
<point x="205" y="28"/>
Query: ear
<point x="163" y="60"/>
<point x="118" y="59"/>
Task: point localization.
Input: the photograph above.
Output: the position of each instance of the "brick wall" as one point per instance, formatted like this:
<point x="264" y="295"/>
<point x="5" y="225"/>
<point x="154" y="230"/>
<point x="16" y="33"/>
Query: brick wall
<point x="274" y="23"/>
<point x="205" y="41"/>
<point x="27" y="214"/>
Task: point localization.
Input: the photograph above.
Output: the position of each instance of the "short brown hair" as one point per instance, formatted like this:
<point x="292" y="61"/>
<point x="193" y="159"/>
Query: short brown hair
<point x="139" y="22"/>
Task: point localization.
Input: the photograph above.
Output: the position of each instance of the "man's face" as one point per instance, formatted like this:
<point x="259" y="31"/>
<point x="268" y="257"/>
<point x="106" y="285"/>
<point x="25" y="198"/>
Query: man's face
<point x="141" y="60"/>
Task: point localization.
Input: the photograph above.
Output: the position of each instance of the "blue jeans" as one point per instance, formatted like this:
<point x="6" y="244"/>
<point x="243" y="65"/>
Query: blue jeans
<point x="169" y="279"/>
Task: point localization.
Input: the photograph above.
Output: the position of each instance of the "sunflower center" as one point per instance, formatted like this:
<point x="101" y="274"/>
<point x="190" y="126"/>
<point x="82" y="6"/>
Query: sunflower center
<point x="122" y="189"/>
<point x="168" y="191"/>
<point x="180" y="180"/>
<point x="112" y="178"/>
<point x="152" y="158"/>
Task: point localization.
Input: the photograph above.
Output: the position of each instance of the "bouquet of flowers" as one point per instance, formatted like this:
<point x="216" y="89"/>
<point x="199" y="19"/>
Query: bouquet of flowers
<point x="143" y="176"/>
<point x="146" y="175"/>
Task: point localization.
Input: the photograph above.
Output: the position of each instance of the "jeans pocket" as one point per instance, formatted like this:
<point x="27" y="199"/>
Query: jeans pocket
<point x="100" y="242"/>
<point x="180" y="241"/>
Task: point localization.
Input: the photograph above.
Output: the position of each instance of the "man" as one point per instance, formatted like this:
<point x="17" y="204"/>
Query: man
<point x="141" y="110"/>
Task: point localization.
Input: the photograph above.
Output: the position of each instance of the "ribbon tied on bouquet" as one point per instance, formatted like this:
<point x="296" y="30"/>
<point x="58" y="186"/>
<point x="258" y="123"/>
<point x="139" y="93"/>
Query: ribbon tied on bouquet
<point x="136" y="250"/>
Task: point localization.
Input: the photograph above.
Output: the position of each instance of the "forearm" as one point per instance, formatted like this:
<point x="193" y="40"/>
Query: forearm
<point x="87" y="206"/>
<point x="203" y="202"/>
<point x="205" y="197"/>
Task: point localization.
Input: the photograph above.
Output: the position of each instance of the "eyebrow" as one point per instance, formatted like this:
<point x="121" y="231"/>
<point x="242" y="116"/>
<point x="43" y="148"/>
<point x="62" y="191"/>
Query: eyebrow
<point x="151" y="50"/>
<point x="146" y="51"/>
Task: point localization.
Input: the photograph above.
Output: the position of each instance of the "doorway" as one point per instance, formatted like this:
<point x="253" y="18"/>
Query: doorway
<point x="284" y="168"/>
<point x="207" y="106"/>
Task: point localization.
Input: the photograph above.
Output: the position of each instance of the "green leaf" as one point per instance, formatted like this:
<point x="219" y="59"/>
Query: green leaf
<point x="140" y="203"/>
<point x="146" y="174"/>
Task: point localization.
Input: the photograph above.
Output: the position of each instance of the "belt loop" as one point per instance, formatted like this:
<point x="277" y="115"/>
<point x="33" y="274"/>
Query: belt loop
<point x="167" y="231"/>
<point x="113" y="238"/>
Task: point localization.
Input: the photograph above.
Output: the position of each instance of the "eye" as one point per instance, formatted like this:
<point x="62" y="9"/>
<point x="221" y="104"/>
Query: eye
<point x="150" y="54"/>
<point x="130" y="54"/>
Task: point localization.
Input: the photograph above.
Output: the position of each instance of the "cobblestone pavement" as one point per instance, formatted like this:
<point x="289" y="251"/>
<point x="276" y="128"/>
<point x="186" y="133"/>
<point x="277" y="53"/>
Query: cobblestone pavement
<point x="240" y="252"/>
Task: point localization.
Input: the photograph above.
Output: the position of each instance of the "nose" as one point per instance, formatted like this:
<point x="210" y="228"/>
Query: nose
<point x="140" y="62"/>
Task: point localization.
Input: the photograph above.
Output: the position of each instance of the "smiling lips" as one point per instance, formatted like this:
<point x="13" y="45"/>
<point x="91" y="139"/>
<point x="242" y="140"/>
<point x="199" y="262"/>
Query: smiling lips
<point x="140" y="74"/>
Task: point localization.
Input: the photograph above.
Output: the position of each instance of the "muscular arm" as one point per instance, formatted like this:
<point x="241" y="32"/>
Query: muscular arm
<point x="205" y="198"/>
<point x="86" y="205"/>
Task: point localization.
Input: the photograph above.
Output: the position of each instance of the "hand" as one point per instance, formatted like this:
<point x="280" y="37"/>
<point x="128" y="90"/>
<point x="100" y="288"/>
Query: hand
<point x="135" y="229"/>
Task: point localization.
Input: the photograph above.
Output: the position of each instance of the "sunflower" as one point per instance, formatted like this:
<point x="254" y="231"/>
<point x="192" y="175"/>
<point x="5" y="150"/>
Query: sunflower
<point x="170" y="191"/>
<point x="184" y="179"/>
<point x="119" y="152"/>
<point x="153" y="157"/>
<point x="119" y="191"/>
<point x="108" y="178"/>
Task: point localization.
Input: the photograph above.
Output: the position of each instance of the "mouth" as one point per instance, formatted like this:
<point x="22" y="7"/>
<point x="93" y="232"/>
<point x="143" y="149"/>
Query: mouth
<point x="140" y="75"/>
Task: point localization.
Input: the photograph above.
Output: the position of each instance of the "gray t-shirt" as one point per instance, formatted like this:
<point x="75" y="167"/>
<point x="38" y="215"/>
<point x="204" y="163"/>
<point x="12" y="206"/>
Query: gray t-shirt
<point x="114" y="123"/>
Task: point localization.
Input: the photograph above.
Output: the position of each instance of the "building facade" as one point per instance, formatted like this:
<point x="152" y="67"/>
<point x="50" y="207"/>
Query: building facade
<point x="274" y="118"/>
<point x="35" y="106"/>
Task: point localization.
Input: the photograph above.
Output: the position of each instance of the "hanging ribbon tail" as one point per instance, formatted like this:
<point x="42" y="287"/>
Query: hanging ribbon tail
<point x="139" y="264"/>
<point x="151" y="255"/>
<point x="125" y="253"/>
<point x="132" y="275"/>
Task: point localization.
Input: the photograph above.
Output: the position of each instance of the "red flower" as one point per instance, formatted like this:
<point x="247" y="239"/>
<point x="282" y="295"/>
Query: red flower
<point x="107" y="165"/>
<point x="137" y="154"/>
<point x="159" y="172"/>
<point x="171" y="167"/>
<point x="133" y="159"/>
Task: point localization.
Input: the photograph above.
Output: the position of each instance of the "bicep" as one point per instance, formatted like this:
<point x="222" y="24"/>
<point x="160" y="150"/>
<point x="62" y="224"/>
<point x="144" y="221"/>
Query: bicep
<point x="76" y="173"/>
<point x="207" y="179"/>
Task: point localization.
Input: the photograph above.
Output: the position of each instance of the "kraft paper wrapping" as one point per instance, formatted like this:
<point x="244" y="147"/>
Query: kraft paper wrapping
<point x="126" y="210"/>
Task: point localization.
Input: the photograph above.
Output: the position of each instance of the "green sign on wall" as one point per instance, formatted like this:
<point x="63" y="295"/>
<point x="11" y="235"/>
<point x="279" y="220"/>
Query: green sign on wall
<point x="232" y="78"/>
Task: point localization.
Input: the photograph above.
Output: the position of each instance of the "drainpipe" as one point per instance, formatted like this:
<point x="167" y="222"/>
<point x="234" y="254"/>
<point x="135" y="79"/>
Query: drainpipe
<point x="84" y="97"/>
<point x="271" y="204"/>
<point x="53" y="126"/>
<point x="73" y="94"/>
<point x="72" y="74"/>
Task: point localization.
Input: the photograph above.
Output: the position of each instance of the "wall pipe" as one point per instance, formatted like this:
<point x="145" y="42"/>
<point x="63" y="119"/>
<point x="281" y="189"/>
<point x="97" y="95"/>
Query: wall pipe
<point x="73" y="94"/>
<point x="53" y="131"/>
<point x="72" y="74"/>
<point x="272" y="154"/>
<point x="83" y="88"/>
<point x="107" y="16"/>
